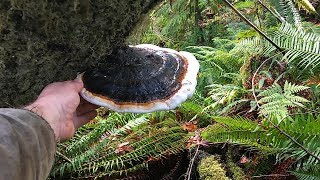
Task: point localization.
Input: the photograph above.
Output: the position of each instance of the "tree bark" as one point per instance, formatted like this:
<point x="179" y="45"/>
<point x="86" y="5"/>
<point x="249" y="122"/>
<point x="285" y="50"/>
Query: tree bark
<point x="42" y="41"/>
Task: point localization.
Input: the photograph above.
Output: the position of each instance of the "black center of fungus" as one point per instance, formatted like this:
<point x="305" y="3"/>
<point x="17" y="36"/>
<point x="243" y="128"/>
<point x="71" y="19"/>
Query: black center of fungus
<point x="136" y="75"/>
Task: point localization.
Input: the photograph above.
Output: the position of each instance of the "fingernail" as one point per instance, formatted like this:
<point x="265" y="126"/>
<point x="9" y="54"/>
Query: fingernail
<point x="77" y="79"/>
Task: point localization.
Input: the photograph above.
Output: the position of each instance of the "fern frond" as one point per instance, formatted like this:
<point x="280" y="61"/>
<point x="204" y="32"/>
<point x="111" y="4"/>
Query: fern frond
<point x="142" y="149"/>
<point x="311" y="173"/>
<point x="135" y="168"/>
<point x="306" y="5"/>
<point x="234" y="104"/>
<point x="225" y="97"/>
<point x="103" y="157"/>
<point x="104" y="125"/>
<point x="269" y="140"/>
<point x="231" y="130"/>
<point x="275" y="100"/>
<point x="250" y="46"/>
<point x="306" y="125"/>
<point x="301" y="48"/>
<point x="285" y="10"/>
<point x="300" y="45"/>
<point x="238" y="123"/>
<point x="296" y="15"/>
<point x="290" y="88"/>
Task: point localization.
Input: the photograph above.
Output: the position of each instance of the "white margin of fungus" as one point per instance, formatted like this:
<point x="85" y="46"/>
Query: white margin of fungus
<point x="186" y="91"/>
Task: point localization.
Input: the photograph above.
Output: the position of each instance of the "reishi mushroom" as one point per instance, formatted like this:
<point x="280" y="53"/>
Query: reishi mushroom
<point x="141" y="79"/>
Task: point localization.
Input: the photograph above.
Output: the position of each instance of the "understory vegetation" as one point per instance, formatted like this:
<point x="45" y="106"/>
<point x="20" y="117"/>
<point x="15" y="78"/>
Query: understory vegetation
<point x="255" y="114"/>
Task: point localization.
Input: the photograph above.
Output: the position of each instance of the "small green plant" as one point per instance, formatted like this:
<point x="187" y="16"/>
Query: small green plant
<point x="275" y="101"/>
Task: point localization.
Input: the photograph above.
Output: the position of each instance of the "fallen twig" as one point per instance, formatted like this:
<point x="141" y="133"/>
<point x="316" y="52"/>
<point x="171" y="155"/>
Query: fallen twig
<point x="189" y="171"/>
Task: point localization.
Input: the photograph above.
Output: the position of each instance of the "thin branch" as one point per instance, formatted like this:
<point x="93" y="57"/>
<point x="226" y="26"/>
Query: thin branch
<point x="275" y="126"/>
<point x="9" y="105"/>
<point x="189" y="171"/>
<point x="272" y="175"/>
<point x="273" y="13"/>
<point x="252" y="25"/>
<point x="63" y="156"/>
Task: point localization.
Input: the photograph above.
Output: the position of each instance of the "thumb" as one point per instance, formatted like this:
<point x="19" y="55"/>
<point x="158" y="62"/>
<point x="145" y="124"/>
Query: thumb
<point x="78" y="84"/>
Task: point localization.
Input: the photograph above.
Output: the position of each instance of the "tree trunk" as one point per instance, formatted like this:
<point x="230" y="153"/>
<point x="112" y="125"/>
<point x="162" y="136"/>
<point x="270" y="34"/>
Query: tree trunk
<point x="42" y="41"/>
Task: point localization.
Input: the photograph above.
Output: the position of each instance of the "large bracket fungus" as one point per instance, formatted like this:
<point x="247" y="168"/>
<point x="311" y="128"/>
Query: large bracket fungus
<point x="141" y="79"/>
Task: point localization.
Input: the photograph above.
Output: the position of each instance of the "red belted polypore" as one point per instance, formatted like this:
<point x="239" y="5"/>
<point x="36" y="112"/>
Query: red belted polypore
<point x="142" y="79"/>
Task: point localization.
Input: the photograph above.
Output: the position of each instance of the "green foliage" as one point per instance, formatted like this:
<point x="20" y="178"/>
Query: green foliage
<point x="180" y="24"/>
<point x="84" y="138"/>
<point x="216" y="66"/>
<point x="288" y="11"/>
<point x="246" y="34"/>
<point x="210" y="168"/>
<point x="275" y="101"/>
<point x="295" y="12"/>
<point x="124" y="143"/>
<point x="118" y="145"/>
<point x="242" y="5"/>
<point x="169" y="26"/>
<point x="225" y="97"/>
<point x="219" y="79"/>
<point x="311" y="173"/>
<point x="306" y="5"/>
<point x="301" y="48"/>
<point x="252" y="46"/>
<point x="236" y="130"/>
<point x="269" y="140"/>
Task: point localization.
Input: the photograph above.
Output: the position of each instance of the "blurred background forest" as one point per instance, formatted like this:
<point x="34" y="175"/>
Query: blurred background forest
<point x="255" y="114"/>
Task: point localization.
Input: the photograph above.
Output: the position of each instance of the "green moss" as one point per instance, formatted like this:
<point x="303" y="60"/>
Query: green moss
<point x="210" y="168"/>
<point x="44" y="41"/>
<point x="237" y="172"/>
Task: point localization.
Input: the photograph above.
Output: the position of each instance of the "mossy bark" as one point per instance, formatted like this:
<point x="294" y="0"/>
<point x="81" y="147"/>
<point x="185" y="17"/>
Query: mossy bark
<point x="42" y="41"/>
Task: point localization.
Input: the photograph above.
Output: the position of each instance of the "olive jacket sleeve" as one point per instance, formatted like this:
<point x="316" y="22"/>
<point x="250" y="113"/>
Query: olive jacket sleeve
<point x="27" y="145"/>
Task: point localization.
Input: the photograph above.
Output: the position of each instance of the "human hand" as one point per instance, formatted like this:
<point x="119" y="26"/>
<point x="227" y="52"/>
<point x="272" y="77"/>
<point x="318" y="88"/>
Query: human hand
<point x="61" y="106"/>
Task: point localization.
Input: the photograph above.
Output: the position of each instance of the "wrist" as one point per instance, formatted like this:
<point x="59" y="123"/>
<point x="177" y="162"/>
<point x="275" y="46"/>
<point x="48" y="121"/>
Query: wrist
<point x="41" y="110"/>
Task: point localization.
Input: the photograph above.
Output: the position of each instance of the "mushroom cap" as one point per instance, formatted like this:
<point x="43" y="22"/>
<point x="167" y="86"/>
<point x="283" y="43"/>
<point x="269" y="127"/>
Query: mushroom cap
<point x="142" y="79"/>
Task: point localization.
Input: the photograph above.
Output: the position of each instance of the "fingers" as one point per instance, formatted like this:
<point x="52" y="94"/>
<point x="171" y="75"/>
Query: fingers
<point x="84" y="118"/>
<point x="82" y="100"/>
<point x="76" y="85"/>
<point x="84" y="113"/>
<point x="63" y="88"/>
<point x="85" y="107"/>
